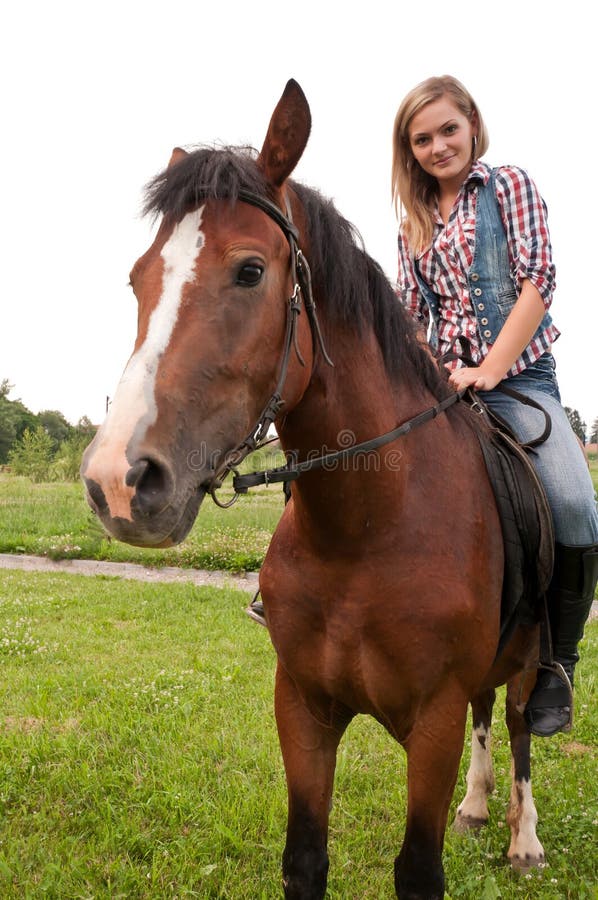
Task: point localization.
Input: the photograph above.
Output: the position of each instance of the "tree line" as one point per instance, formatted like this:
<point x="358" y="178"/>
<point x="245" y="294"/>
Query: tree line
<point x="44" y="446"/>
<point x="580" y="427"/>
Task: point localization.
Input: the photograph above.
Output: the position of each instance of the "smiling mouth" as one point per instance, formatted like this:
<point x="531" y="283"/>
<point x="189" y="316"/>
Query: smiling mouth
<point x="444" y="161"/>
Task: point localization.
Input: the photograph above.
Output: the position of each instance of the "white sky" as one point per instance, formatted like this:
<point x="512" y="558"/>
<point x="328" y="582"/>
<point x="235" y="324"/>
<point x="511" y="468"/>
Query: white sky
<point x="96" y="95"/>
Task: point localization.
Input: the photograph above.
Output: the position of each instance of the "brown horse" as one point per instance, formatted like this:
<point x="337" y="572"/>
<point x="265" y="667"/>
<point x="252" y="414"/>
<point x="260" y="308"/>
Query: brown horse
<point x="382" y="584"/>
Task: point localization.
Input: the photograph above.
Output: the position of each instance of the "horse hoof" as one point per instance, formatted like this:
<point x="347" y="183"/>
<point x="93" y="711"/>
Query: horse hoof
<point x="524" y="864"/>
<point x="463" y="824"/>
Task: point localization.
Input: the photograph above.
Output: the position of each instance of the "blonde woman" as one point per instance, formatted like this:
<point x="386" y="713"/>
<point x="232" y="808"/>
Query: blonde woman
<point x="476" y="270"/>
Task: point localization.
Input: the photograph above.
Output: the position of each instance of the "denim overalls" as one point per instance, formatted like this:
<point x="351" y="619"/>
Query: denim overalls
<point x="559" y="461"/>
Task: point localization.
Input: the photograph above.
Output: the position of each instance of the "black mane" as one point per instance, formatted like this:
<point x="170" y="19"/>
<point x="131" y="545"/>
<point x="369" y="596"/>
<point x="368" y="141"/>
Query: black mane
<point x="350" y="285"/>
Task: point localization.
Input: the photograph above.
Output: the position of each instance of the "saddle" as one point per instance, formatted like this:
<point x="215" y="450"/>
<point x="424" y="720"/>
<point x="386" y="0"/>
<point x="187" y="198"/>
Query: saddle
<point x="525" y="516"/>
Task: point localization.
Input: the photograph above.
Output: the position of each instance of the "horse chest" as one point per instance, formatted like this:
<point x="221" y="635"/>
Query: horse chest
<point x="340" y="666"/>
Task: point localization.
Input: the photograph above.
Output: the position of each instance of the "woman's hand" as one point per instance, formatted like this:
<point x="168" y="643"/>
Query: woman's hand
<point x="476" y="377"/>
<point x="514" y="337"/>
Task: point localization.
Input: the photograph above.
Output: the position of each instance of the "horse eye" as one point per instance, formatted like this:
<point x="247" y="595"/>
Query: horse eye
<point x="250" y="275"/>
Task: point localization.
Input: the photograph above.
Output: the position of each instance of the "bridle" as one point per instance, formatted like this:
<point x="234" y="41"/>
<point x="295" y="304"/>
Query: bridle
<point x="302" y="294"/>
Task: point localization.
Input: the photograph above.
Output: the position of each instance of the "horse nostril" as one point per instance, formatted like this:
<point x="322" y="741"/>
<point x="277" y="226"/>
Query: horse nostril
<point x="136" y="472"/>
<point x="96" y="495"/>
<point x="153" y="485"/>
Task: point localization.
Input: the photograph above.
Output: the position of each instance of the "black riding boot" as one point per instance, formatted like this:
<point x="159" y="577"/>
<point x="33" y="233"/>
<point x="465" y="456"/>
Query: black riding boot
<point x="570" y="597"/>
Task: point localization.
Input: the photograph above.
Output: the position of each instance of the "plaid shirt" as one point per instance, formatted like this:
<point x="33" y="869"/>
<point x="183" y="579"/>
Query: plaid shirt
<point x="445" y="263"/>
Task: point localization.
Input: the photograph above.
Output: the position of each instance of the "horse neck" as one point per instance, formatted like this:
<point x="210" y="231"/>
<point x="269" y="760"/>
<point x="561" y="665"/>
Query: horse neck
<point x="346" y="405"/>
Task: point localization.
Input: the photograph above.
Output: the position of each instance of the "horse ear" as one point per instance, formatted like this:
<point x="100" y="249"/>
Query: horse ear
<point x="287" y="135"/>
<point x="177" y="155"/>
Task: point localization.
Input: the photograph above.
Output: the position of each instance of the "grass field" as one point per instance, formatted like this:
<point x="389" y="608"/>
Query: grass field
<point x="138" y="750"/>
<point x="139" y="759"/>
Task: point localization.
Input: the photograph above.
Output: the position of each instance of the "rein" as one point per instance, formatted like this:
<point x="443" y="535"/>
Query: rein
<point x="293" y="470"/>
<point x="302" y="292"/>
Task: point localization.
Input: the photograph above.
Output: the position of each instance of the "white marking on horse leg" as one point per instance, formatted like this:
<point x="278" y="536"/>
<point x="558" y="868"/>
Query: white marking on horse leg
<point x="526" y="851"/>
<point x="133" y="407"/>
<point x="473" y="811"/>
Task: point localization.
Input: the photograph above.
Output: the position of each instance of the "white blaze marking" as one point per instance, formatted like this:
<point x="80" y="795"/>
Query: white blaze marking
<point x="134" y="399"/>
<point x="133" y="407"/>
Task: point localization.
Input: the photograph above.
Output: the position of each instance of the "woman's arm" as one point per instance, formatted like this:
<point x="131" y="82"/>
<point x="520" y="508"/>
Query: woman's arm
<point x="512" y="340"/>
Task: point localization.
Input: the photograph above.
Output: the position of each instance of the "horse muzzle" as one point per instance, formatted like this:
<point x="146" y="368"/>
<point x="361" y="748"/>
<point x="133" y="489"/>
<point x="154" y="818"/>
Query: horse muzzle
<point x="142" y="503"/>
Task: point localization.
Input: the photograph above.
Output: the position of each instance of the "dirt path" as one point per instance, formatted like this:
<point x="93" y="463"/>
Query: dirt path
<point x="201" y="577"/>
<point x="247" y="582"/>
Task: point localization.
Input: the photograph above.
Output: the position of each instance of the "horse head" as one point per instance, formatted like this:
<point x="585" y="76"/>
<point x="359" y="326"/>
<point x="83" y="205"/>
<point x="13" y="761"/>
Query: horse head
<point x="212" y="315"/>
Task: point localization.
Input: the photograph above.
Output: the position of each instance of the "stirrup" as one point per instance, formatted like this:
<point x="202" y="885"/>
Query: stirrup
<point x="558" y="697"/>
<point x="255" y="610"/>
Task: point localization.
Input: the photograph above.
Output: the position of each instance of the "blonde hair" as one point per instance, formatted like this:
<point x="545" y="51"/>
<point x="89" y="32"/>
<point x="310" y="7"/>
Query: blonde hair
<point x="413" y="190"/>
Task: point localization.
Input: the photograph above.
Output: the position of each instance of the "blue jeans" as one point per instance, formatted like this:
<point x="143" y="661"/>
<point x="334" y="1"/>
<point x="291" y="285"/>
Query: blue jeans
<point x="559" y="461"/>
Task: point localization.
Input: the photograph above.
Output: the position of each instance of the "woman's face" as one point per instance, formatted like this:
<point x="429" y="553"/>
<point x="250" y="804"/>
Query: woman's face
<point x="441" y="139"/>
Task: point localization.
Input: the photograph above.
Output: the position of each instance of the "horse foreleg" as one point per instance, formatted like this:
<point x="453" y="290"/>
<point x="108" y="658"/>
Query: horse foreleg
<point x="434" y="750"/>
<point x="525" y="851"/>
<point x="473" y="811"/>
<point x="309" y="754"/>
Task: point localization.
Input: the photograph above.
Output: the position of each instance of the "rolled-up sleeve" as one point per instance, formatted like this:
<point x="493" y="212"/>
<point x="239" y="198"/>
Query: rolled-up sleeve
<point x="525" y="220"/>
<point x="408" y="290"/>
